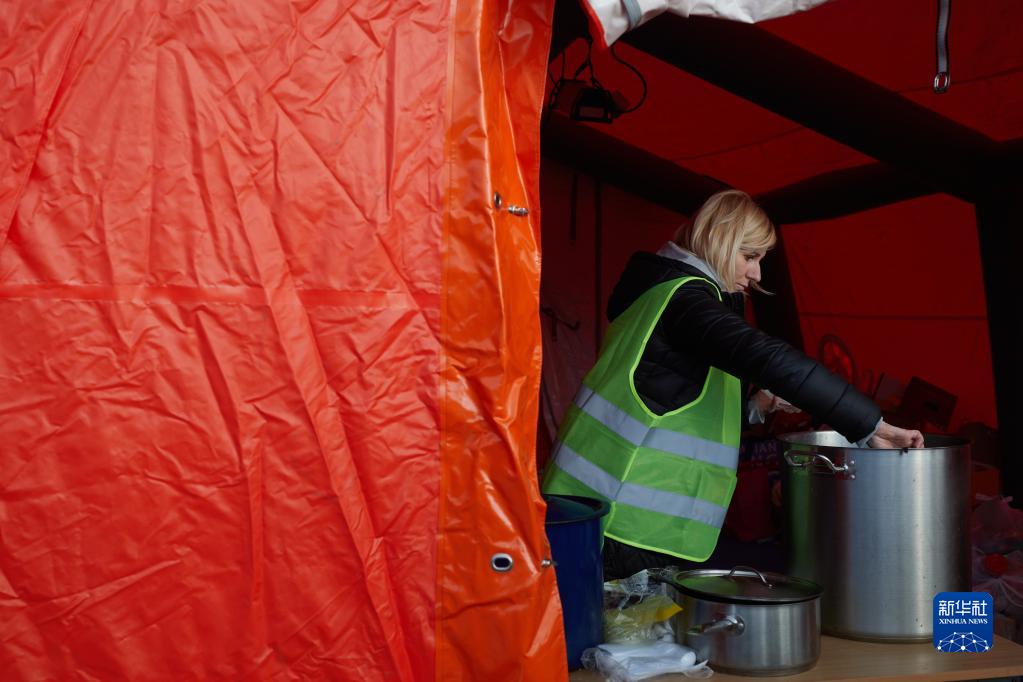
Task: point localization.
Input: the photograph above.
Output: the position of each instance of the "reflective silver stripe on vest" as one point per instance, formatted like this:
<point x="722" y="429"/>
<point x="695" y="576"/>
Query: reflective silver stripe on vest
<point x="637" y="433"/>
<point x="639" y="496"/>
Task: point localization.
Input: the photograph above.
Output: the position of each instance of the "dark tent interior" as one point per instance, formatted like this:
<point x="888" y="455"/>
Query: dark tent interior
<point x="898" y="208"/>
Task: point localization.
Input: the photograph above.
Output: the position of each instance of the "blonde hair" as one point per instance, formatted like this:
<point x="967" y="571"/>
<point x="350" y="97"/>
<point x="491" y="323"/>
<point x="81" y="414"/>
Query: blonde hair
<point x="728" y="222"/>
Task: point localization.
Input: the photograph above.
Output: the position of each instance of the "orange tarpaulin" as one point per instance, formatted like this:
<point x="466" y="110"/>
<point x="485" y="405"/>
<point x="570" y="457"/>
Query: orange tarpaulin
<point x="269" y="358"/>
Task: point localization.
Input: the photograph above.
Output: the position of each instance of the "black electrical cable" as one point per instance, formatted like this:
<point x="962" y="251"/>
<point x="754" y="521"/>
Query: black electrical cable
<point x="588" y="64"/>
<point x="555" y="88"/>
<point x="638" y="74"/>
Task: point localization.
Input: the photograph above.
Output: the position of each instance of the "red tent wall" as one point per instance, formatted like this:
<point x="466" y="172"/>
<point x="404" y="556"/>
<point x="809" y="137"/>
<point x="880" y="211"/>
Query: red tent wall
<point x="269" y="361"/>
<point x="589" y="232"/>
<point x="902" y="287"/>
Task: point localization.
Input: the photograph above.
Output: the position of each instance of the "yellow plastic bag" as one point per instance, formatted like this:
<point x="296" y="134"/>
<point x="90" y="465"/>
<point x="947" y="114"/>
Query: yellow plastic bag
<point x="637" y="608"/>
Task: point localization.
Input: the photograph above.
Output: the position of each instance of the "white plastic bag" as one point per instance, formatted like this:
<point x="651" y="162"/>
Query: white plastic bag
<point x="1005" y="585"/>
<point x="641" y="660"/>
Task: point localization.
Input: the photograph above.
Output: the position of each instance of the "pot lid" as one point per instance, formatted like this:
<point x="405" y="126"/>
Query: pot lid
<point x="745" y="585"/>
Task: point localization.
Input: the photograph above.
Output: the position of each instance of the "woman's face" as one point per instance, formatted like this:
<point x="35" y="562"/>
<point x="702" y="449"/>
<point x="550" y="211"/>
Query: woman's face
<point x="747" y="269"/>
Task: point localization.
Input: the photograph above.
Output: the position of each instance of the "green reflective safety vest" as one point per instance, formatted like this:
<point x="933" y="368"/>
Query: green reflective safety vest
<point x="669" y="478"/>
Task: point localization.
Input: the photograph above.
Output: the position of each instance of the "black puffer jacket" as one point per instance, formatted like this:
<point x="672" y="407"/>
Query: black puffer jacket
<point x="697" y="331"/>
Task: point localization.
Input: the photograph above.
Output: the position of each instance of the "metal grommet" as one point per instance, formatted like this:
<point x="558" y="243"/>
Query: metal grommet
<point x="941" y="82"/>
<point x="501" y="562"/>
<point x="497" y="201"/>
<point x="546" y="562"/>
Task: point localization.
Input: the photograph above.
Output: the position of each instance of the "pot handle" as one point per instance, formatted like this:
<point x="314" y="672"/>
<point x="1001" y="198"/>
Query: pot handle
<point x="832" y="467"/>
<point x="752" y="570"/>
<point x="732" y="625"/>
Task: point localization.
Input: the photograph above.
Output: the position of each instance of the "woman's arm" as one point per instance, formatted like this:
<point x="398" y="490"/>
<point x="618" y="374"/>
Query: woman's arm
<point x="698" y="323"/>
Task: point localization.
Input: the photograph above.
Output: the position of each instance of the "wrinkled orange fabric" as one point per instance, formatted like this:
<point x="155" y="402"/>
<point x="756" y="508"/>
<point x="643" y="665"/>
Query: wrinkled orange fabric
<point x="268" y="361"/>
<point x="490" y="379"/>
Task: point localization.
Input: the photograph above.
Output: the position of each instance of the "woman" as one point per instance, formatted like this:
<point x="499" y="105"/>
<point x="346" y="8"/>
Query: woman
<point x="655" y="426"/>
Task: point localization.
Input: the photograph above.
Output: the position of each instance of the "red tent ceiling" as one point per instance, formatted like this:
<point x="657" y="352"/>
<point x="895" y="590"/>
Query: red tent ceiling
<point x="716" y="133"/>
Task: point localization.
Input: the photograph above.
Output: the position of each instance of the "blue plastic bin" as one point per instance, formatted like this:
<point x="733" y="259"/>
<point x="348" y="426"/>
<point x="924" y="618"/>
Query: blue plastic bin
<point x="574" y="531"/>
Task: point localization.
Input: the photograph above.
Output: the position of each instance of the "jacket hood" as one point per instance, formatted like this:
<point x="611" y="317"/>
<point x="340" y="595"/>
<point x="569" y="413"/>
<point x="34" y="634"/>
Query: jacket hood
<point x="646" y="270"/>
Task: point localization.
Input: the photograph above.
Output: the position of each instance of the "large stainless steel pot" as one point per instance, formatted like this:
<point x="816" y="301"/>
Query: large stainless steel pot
<point x="882" y="531"/>
<point x="746" y="622"/>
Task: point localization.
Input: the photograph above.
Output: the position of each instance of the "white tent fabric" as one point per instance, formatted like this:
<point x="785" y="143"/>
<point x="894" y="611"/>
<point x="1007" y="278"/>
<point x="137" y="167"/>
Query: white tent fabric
<point x="615" y="17"/>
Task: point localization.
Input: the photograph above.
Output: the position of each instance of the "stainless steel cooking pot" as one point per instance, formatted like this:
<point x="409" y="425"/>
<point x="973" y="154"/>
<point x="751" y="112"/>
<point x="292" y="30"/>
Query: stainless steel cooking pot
<point x="882" y="531"/>
<point x="746" y="622"/>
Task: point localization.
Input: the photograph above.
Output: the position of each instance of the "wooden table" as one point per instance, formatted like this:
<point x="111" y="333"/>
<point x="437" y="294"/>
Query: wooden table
<point x="845" y="659"/>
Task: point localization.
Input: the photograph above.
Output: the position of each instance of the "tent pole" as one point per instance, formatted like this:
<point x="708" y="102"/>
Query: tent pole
<point x="829" y="195"/>
<point x="635" y="170"/>
<point x="1001" y="241"/>
<point x="841" y="192"/>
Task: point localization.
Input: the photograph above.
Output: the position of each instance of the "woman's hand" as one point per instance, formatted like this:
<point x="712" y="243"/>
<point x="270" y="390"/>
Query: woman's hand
<point x="768" y="402"/>
<point x="890" y="437"/>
